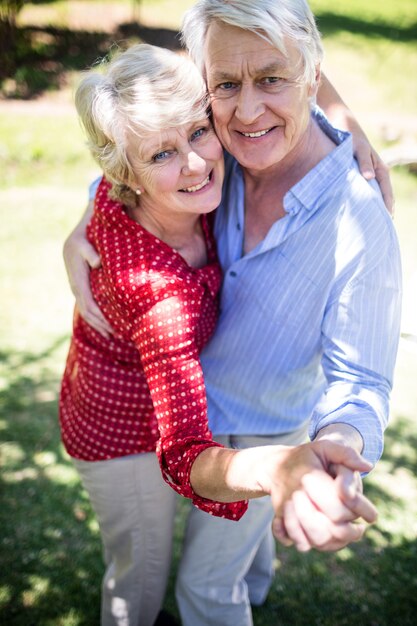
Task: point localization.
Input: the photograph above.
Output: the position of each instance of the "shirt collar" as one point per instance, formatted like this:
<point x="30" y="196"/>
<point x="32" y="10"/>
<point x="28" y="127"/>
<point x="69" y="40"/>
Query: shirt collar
<point x="307" y="192"/>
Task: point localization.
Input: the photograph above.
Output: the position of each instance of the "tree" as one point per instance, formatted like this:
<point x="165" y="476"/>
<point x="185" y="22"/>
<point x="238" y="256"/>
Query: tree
<point x="9" y="10"/>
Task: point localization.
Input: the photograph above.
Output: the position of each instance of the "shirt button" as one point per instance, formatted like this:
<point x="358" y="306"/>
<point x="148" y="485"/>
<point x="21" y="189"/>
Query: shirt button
<point x="233" y="274"/>
<point x="239" y="226"/>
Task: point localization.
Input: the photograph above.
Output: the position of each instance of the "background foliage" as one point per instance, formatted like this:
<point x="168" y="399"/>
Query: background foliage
<point x="50" y="554"/>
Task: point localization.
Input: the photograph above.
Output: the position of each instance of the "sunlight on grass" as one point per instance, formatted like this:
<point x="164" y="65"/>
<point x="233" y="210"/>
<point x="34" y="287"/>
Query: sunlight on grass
<point x="39" y="587"/>
<point x="5" y="594"/>
<point x="44" y="459"/>
<point x="93" y="526"/>
<point x="26" y="474"/>
<point x="62" y="474"/>
<point x="13" y="452"/>
<point x="383" y="97"/>
<point x="345" y="555"/>
<point x="31" y="150"/>
<point x="72" y="618"/>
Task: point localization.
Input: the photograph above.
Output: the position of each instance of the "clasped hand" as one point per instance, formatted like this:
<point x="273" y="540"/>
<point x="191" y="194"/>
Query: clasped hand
<point x="318" y="499"/>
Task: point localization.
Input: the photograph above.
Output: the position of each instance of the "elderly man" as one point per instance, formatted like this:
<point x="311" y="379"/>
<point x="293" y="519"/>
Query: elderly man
<point x="310" y="308"/>
<point x="310" y="304"/>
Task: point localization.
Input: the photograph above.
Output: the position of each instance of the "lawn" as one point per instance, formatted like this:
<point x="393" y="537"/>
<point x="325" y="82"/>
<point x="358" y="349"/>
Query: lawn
<point x="50" y="551"/>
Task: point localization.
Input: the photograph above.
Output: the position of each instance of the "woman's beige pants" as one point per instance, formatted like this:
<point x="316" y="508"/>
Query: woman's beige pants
<point x="135" y="510"/>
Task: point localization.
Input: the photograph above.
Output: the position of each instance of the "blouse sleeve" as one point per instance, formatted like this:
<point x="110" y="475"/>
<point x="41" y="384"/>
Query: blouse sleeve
<point x="165" y="336"/>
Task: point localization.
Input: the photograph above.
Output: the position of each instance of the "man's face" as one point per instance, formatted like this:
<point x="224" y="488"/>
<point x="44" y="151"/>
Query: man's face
<point x="260" y="108"/>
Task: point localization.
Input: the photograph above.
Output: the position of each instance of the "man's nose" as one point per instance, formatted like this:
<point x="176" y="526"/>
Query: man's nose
<point x="249" y="105"/>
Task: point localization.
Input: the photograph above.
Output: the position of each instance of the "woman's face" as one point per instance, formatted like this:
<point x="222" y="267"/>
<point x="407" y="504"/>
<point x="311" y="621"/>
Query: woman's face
<point x="179" y="170"/>
<point x="260" y="109"/>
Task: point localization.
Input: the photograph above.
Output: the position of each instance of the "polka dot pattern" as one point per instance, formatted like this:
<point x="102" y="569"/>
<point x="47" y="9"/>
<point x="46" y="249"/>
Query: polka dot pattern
<point x="143" y="389"/>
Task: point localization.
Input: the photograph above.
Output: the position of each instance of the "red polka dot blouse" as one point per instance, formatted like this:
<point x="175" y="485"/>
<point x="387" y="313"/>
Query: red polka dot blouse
<point x="143" y="390"/>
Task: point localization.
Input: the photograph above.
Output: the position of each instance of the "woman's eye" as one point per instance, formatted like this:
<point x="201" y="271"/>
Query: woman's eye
<point x="160" y="156"/>
<point x="198" y="133"/>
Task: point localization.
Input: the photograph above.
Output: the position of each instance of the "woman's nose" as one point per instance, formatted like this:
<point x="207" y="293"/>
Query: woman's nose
<point x="193" y="163"/>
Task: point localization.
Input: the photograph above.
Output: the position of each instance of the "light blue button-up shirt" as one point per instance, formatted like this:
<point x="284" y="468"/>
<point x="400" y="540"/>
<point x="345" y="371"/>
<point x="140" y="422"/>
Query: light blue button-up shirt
<point x="310" y="318"/>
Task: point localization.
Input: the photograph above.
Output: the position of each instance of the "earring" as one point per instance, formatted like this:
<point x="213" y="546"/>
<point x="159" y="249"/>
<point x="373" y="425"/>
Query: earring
<point x="138" y="192"/>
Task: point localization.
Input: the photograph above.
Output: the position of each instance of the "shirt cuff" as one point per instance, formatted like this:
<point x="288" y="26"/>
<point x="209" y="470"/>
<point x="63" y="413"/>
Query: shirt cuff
<point x="182" y="485"/>
<point x="360" y="417"/>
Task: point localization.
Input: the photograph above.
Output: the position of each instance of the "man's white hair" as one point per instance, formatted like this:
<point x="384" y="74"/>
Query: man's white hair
<point x="276" y="21"/>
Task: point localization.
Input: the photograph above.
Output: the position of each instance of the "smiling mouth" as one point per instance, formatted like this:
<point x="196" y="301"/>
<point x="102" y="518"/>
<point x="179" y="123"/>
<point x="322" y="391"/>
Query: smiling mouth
<point x="259" y="133"/>
<point x="195" y="188"/>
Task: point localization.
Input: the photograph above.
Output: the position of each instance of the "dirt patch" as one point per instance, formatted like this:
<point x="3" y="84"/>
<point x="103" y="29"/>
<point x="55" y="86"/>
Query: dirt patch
<point x="56" y="104"/>
<point x="78" y="15"/>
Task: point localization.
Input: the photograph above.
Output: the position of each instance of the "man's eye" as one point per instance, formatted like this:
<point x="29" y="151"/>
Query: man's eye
<point x="271" y="80"/>
<point x="160" y="156"/>
<point x="226" y="86"/>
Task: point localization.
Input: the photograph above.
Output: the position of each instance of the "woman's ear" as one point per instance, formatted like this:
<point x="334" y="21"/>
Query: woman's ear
<point x="134" y="184"/>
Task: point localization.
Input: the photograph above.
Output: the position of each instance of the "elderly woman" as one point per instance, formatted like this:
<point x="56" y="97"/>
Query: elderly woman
<point x="158" y="285"/>
<point x="141" y="389"/>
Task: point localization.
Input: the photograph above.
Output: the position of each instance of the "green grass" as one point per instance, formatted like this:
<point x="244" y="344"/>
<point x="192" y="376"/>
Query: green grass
<point x="401" y="14"/>
<point x="50" y="551"/>
<point x="31" y="152"/>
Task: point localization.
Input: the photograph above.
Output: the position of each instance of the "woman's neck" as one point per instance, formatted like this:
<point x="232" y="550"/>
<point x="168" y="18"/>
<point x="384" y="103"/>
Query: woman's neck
<point x="181" y="232"/>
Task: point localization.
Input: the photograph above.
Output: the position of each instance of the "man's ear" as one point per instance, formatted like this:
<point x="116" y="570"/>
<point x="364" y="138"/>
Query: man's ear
<point x="315" y="85"/>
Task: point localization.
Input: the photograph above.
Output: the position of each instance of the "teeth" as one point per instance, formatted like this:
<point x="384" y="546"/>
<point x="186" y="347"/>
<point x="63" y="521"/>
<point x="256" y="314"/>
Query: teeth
<point x="261" y="133"/>
<point x="198" y="187"/>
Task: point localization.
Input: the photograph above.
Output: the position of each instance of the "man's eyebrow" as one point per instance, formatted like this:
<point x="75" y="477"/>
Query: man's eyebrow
<point x="270" y="68"/>
<point x="219" y="75"/>
<point x="273" y="68"/>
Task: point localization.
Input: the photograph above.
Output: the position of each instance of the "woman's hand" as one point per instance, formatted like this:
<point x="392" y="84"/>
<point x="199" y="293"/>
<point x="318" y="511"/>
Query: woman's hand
<point x="80" y="257"/>
<point x="317" y="497"/>
<point x="370" y="163"/>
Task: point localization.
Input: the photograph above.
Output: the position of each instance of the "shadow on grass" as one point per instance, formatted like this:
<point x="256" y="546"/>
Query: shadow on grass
<point x="50" y="556"/>
<point x="365" y="587"/>
<point x="50" y="548"/>
<point x="331" y="23"/>
<point x="42" y="56"/>
<point x="373" y="582"/>
<point x="51" y="564"/>
<point x="395" y="453"/>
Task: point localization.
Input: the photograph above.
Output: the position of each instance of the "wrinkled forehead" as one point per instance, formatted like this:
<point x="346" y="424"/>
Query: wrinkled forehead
<point x="231" y="51"/>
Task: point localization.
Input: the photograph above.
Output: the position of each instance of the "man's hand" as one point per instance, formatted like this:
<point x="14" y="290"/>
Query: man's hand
<point x="79" y="258"/>
<point x="317" y="497"/>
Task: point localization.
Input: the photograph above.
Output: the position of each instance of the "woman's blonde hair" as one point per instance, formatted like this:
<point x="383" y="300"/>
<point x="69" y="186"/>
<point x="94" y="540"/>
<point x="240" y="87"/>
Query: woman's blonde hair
<point x="143" y="89"/>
